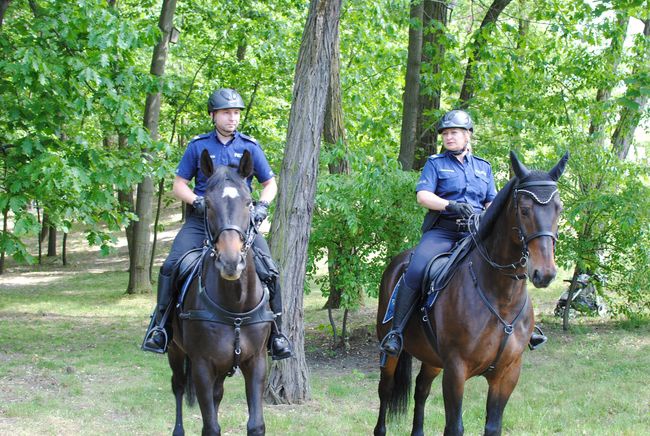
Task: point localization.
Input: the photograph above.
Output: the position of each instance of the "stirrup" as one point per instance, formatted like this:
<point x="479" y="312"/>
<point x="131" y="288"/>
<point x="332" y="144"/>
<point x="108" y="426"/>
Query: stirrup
<point x="396" y="334"/>
<point x="152" y="331"/>
<point x="282" y="353"/>
<point x="540" y="339"/>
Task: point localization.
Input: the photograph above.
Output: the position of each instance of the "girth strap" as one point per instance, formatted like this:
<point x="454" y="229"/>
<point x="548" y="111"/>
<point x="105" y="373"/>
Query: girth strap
<point x="216" y="313"/>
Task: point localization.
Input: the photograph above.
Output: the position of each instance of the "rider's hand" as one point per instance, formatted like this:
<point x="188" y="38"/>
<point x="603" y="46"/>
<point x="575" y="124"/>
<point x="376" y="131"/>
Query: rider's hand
<point x="461" y="209"/>
<point x="199" y="205"/>
<point x="261" y="211"/>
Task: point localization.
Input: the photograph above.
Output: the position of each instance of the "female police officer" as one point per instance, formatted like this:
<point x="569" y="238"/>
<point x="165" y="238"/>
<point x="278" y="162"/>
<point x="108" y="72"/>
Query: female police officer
<point x="455" y="184"/>
<point x="226" y="146"/>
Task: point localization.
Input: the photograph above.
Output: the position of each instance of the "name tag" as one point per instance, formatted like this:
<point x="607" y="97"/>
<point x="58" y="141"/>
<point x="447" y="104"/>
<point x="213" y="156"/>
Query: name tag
<point x="481" y="173"/>
<point x="238" y="154"/>
<point x="445" y="170"/>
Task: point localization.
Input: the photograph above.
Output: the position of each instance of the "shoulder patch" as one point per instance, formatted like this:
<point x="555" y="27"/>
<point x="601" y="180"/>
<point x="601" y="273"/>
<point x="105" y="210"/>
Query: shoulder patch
<point x="436" y="156"/>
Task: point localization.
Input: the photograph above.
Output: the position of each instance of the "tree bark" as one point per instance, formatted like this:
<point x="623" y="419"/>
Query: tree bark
<point x="433" y="54"/>
<point x="491" y="16"/>
<point x="411" y="88"/>
<point x="288" y="379"/>
<point x="139" y="271"/>
<point x="334" y="136"/>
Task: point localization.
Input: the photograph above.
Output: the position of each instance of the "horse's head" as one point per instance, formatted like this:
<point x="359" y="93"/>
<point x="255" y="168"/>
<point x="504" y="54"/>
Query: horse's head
<point x="537" y="205"/>
<point x="228" y="201"/>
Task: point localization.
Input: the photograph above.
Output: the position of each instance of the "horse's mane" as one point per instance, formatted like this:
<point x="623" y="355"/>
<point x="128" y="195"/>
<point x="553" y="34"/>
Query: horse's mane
<point x="501" y="201"/>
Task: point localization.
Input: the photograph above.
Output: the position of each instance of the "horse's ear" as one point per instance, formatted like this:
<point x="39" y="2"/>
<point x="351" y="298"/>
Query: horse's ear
<point x="207" y="166"/>
<point x="246" y="165"/>
<point x="558" y="169"/>
<point x="520" y="169"/>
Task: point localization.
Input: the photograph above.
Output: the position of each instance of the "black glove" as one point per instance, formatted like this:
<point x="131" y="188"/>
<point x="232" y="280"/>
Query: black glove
<point x="199" y="205"/>
<point x="261" y="211"/>
<point x="463" y="210"/>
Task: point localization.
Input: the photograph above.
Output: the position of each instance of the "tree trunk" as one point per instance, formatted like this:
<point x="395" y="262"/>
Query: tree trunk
<point x="411" y="88"/>
<point x="51" y="241"/>
<point x="491" y="16"/>
<point x="614" y="53"/>
<point x="288" y="379"/>
<point x="433" y="54"/>
<point x="4" y="4"/>
<point x="334" y="136"/>
<point x="139" y="271"/>
<point x="630" y="117"/>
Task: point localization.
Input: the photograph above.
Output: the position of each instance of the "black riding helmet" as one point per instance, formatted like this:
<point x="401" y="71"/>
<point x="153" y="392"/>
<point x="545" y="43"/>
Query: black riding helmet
<point x="456" y="118"/>
<point x="225" y="98"/>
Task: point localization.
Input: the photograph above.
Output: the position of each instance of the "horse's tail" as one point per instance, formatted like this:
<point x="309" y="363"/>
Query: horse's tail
<point x="399" y="397"/>
<point x="190" y="389"/>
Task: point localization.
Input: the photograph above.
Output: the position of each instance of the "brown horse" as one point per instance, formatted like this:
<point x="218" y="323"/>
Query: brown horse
<point x="224" y="323"/>
<point x="483" y="318"/>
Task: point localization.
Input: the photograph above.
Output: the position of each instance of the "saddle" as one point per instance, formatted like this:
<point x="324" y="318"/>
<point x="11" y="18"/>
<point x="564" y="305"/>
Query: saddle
<point x="442" y="267"/>
<point x="437" y="274"/>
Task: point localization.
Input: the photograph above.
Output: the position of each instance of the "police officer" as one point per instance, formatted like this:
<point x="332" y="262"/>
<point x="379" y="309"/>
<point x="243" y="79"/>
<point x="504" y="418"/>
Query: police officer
<point x="226" y="146"/>
<point x="454" y="185"/>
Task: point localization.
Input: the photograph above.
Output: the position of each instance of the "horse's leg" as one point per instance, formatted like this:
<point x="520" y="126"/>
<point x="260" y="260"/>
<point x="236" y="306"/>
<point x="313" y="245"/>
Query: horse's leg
<point x="254" y="372"/>
<point x="386" y="383"/>
<point x="176" y="358"/>
<point x="500" y="388"/>
<point x="204" y="381"/>
<point x="453" y="387"/>
<point x="422" y="388"/>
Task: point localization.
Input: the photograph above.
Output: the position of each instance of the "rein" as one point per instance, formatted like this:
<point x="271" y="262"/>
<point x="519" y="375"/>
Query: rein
<point x="473" y="224"/>
<point x="508" y="328"/>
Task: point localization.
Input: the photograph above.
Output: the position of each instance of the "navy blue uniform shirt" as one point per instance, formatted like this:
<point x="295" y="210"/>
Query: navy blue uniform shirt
<point x="222" y="154"/>
<point x="468" y="182"/>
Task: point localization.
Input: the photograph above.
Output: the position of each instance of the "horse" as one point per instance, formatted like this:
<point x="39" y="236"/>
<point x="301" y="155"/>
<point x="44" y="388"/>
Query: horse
<point x="482" y="319"/>
<point x="223" y="321"/>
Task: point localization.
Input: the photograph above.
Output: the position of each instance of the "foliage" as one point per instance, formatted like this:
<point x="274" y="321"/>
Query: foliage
<point x="370" y="216"/>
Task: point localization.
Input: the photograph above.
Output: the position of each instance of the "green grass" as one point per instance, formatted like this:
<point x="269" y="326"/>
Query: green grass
<point x="70" y="364"/>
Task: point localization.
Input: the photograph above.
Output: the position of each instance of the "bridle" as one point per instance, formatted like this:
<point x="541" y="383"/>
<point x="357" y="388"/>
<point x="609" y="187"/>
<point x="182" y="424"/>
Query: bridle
<point x="520" y="188"/>
<point x="247" y="236"/>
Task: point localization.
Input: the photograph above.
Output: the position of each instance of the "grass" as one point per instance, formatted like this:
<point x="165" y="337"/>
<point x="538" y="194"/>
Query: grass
<point x="70" y="364"/>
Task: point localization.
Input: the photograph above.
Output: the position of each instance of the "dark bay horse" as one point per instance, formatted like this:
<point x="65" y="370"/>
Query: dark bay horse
<point x="482" y="320"/>
<point x="224" y="322"/>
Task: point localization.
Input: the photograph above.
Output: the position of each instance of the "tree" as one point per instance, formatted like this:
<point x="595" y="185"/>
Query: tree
<point x="478" y="48"/>
<point x="288" y="380"/>
<point x="412" y="88"/>
<point x="139" y="270"/>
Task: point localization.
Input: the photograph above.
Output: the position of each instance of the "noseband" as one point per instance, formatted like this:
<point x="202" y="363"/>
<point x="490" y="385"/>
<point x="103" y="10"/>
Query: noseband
<point x="524" y="238"/>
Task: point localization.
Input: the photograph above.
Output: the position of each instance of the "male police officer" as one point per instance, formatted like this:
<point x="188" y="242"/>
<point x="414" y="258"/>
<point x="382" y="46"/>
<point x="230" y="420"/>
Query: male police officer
<point x="226" y="146"/>
<point x="455" y="184"/>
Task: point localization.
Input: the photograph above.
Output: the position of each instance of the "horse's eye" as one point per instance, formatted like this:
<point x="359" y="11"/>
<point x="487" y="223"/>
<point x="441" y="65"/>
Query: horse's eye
<point x="525" y="211"/>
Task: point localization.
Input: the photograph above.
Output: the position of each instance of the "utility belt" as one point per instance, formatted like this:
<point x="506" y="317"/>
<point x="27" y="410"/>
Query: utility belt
<point x="435" y="219"/>
<point x="451" y="224"/>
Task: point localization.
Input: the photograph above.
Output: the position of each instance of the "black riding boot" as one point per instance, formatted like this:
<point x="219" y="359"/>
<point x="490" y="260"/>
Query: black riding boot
<point x="156" y="338"/>
<point x="537" y="339"/>
<point x="406" y="298"/>
<point x="279" y="345"/>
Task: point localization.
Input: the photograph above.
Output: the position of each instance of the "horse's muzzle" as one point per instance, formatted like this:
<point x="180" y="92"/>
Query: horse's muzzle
<point x="542" y="277"/>
<point x="230" y="267"/>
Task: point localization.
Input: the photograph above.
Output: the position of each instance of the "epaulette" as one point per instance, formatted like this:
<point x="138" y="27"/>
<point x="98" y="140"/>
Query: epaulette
<point x="249" y="138"/>
<point x="203" y="136"/>
<point x="481" y="159"/>
<point x="436" y="156"/>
